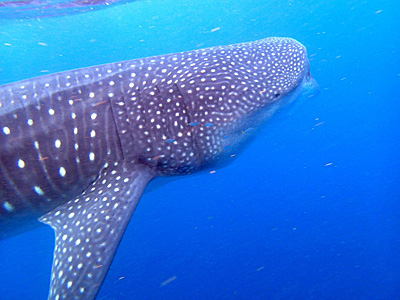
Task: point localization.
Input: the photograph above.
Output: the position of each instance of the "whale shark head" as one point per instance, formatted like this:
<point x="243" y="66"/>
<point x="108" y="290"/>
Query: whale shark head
<point x="262" y="77"/>
<point x="212" y="98"/>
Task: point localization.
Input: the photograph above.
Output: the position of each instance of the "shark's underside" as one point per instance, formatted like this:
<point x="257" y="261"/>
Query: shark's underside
<point x="79" y="147"/>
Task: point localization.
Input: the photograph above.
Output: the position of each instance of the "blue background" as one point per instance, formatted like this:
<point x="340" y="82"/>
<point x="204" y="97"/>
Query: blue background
<point x="309" y="211"/>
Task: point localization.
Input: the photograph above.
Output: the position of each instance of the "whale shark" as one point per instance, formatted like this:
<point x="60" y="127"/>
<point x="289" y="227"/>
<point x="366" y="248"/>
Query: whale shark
<point x="78" y="148"/>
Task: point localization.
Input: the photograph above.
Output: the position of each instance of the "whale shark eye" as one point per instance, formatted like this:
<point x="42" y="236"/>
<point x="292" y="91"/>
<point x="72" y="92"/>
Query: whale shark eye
<point x="277" y="95"/>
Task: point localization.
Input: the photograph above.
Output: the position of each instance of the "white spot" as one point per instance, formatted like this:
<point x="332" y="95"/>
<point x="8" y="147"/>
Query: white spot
<point x="91" y="156"/>
<point x="51" y="112"/>
<point x="62" y="171"/>
<point x="57" y="143"/>
<point x="93" y="116"/>
<point x="91" y="95"/>
<point x="8" y="206"/>
<point x="69" y="284"/>
<point x="30" y="122"/>
<point x="6" y="130"/>
<point x="21" y="163"/>
<point x="92" y="133"/>
<point x="38" y="190"/>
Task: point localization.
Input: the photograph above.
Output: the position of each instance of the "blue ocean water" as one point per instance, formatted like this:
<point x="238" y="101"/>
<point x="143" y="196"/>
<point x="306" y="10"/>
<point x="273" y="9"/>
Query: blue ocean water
<point x="309" y="211"/>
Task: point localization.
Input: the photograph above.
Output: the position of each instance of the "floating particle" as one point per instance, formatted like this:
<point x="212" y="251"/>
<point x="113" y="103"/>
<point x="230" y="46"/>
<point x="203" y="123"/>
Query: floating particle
<point x="164" y="283"/>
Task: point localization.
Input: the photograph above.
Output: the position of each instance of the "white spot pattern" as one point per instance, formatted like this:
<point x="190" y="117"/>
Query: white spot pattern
<point x="81" y="237"/>
<point x="201" y="102"/>
<point x="174" y="113"/>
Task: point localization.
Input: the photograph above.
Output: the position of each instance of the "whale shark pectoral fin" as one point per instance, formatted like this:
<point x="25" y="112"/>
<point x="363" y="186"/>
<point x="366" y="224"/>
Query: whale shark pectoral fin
<point x="89" y="228"/>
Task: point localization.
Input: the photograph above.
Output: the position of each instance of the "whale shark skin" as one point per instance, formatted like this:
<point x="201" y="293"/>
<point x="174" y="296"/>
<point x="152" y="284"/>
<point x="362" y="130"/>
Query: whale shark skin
<point x="78" y="148"/>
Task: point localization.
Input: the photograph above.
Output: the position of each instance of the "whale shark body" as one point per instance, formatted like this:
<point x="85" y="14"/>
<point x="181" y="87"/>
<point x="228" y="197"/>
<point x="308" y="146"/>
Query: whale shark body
<point x="79" y="147"/>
